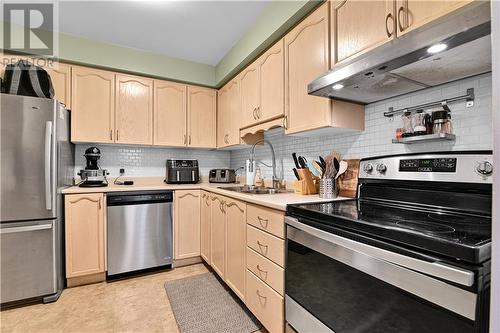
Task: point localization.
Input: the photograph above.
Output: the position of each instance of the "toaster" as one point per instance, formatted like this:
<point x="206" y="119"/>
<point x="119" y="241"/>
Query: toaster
<point x="222" y="176"/>
<point x="182" y="172"/>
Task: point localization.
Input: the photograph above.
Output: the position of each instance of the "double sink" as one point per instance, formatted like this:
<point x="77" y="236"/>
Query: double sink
<point x="254" y="189"/>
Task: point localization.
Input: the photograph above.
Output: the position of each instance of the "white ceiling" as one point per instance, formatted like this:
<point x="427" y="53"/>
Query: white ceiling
<point x="199" y="31"/>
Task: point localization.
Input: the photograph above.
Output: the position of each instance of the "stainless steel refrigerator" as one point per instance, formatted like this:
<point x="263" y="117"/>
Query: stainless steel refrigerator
<point x="37" y="162"/>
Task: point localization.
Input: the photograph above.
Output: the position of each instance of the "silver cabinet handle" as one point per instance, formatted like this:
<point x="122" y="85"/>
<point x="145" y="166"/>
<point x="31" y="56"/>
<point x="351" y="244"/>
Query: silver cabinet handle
<point x="400" y="10"/>
<point x="263" y="220"/>
<point x="259" y="114"/>
<point x="111" y="135"/>
<point x="117" y="139"/>
<point x="48" y="165"/>
<point x="261" y="296"/>
<point x="189" y="139"/>
<point x="25" y="229"/>
<point x="262" y="271"/>
<point x="389" y="33"/>
<point x="185" y="139"/>
<point x="262" y="246"/>
<point x="254" y="116"/>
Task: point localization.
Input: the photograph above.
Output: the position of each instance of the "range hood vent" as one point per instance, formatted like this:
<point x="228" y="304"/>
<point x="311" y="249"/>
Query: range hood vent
<point x="404" y="65"/>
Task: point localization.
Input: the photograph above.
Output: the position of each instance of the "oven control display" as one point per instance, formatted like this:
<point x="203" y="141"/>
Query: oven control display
<point x="428" y="165"/>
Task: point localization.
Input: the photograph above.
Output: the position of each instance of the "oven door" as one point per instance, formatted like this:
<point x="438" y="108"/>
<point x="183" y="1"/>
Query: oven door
<point x="337" y="284"/>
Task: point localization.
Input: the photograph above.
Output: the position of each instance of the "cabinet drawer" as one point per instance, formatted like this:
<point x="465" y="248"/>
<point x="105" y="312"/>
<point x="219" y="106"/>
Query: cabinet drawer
<point x="266" y="219"/>
<point x="266" y="270"/>
<point x="265" y="244"/>
<point x="265" y="304"/>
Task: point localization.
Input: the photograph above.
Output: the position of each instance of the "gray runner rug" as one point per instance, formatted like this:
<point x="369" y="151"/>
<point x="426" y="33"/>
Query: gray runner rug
<point x="203" y="304"/>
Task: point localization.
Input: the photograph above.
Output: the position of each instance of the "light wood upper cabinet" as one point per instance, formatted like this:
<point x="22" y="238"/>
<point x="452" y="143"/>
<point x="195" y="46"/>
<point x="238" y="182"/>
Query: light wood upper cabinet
<point x="359" y="26"/>
<point x="93" y="105"/>
<point x="206" y="223"/>
<point x="60" y="75"/>
<point x="229" y="115"/>
<point x="84" y="228"/>
<point x="218" y="234"/>
<point x="202" y="117"/>
<point x="186" y="224"/>
<point x="250" y="99"/>
<point x="235" y="245"/>
<point x="306" y="57"/>
<point x="134" y="110"/>
<point x="412" y="14"/>
<point x="170" y="119"/>
<point x="271" y="67"/>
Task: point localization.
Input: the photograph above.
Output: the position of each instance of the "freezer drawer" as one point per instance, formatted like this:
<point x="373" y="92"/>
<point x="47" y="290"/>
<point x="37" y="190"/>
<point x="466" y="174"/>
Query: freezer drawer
<point x="27" y="260"/>
<point x="139" y="236"/>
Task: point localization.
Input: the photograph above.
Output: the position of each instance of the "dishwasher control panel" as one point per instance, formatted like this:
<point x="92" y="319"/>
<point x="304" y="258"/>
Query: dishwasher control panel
<point x="135" y="198"/>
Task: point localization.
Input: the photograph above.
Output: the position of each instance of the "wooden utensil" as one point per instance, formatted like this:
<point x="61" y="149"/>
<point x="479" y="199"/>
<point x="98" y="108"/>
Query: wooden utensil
<point x="342" y="169"/>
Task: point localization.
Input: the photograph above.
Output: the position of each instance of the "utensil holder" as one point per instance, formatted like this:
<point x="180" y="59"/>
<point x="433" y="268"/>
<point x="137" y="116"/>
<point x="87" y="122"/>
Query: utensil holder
<point x="327" y="188"/>
<point x="308" y="184"/>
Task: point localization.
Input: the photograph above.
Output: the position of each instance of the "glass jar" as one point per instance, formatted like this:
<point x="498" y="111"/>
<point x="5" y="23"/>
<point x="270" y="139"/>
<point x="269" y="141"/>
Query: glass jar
<point x="419" y="123"/>
<point x="407" y="124"/>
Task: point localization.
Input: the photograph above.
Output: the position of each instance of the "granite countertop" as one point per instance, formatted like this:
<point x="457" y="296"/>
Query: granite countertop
<point x="276" y="201"/>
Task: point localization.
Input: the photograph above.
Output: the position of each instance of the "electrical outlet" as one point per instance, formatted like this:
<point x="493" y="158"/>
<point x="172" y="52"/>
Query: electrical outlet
<point x="122" y="171"/>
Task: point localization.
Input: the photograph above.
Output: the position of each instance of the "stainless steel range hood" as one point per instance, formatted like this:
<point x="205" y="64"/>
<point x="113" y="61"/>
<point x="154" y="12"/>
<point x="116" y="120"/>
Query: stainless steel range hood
<point x="404" y="65"/>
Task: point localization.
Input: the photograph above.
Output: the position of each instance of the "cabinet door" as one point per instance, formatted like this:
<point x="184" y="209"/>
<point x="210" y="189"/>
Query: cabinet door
<point x="84" y="228"/>
<point x="250" y="99"/>
<point x="228" y="115"/>
<point x="134" y="110"/>
<point x="236" y="246"/>
<point x="222" y="118"/>
<point x="93" y="105"/>
<point x="186" y="224"/>
<point x="170" y="113"/>
<point x="359" y="26"/>
<point x="306" y="58"/>
<point x="60" y="75"/>
<point x="202" y="117"/>
<point x="272" y="83"/>
<point x="206" y="221"/>
<point x="412" y="14"/>
<point x="218" y="234"/>
<point x="234" y="111"/>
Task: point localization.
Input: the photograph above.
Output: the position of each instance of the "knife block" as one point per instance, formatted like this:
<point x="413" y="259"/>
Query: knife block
<point x="308" y="184"/>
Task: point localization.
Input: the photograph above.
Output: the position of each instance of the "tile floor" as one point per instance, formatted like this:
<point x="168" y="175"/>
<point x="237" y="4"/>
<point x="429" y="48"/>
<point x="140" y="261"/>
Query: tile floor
<point x="138" y="304"/>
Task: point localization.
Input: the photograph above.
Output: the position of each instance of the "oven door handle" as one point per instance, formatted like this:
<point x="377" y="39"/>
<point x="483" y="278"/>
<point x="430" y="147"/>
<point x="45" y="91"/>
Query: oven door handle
<point x="433" y="268"/>
<point x="403" y="272"/>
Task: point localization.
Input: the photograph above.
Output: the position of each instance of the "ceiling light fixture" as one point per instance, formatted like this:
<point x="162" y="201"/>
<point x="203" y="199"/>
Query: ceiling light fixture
<point x="338" y="86"/>
<point x="436" y="48"/>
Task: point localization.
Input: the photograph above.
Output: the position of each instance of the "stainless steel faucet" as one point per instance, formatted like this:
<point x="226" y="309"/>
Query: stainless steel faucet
<point x="252" y="155"/>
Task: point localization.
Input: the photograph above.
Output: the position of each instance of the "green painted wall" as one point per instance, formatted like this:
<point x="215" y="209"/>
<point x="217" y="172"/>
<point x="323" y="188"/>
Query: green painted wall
<point x="274" y="21"/>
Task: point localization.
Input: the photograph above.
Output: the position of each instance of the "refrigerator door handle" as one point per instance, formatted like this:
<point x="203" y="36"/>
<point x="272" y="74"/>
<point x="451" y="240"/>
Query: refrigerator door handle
<point x="25" y="229"/>
<point x="48" y="166"/>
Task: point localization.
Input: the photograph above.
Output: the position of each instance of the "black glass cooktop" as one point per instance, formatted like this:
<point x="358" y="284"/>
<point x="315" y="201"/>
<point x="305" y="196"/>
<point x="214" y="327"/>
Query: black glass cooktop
<point x="459" y="236"/>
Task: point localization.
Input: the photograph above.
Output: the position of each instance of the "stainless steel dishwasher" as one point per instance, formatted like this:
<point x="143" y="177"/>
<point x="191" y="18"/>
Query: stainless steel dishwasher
<point x="139" y="231"/>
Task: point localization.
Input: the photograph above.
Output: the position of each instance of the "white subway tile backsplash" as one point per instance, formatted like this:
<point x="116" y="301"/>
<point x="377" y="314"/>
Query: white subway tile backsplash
<point x="149" y="161"/>
<point x="473" y="127"/>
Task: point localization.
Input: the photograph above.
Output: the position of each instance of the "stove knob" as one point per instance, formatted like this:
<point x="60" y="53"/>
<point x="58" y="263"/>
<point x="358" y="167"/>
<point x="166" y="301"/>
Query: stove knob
<point x="485" y="168"/>
<point x="368" y="168"/>
<point x="381" y="168"/>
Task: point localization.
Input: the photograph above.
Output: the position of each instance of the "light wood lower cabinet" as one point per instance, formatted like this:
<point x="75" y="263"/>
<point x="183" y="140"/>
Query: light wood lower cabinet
<point x="186" y="224"/>
<point x="206" y="227"/>
<point x="218" y="234"/>
<point x="84" y="229"/>
<point x="265" y="303"/>
<point x="235" y="245"/>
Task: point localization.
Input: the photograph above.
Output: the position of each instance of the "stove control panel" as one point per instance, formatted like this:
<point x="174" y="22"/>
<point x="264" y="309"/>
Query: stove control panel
<point x="459" y="167"/>
<point x="445" y="164"/>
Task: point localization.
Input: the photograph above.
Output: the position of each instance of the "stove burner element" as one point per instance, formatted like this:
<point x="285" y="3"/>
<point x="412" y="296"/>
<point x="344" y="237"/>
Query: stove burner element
<point x="431" y="228"/>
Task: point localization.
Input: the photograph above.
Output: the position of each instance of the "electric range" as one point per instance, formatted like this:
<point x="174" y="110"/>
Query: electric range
<point x="410" y="254"/>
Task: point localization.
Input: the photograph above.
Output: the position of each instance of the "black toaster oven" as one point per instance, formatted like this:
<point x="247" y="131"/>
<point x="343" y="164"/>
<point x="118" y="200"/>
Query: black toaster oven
<point x="182" y="172"/>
